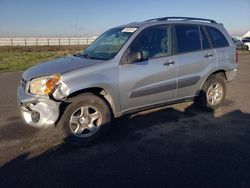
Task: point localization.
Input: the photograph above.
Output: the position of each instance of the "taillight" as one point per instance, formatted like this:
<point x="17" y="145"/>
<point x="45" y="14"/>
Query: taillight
<point x="236" y="56"/>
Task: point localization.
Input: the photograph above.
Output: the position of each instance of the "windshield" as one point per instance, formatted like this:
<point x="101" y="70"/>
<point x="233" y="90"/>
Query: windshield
<point x="108" y="44"/>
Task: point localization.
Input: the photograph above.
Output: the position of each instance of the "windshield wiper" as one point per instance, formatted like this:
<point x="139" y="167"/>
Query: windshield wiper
<point x="87" y="56"/>
<point x="84" y="55"/>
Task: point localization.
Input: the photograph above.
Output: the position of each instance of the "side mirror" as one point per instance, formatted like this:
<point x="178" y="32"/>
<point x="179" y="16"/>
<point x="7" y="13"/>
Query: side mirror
<point x="136" y="57"/>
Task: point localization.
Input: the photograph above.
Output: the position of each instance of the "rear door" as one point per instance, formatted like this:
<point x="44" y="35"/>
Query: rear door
<point x="221" y="45"/>
<point x="153" y="79"/>
<point x="195" y="58"/>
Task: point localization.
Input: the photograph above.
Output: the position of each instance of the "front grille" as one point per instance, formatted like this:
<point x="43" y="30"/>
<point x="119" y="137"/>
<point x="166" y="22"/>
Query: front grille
<point x="23" y="83"/>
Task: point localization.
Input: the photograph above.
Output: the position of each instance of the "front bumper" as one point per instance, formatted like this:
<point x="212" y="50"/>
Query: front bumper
<point x="38" y="112"/>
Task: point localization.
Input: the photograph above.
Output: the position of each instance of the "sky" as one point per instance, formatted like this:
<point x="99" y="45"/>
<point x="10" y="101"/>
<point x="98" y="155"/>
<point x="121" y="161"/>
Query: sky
<point x="92" y="17"/>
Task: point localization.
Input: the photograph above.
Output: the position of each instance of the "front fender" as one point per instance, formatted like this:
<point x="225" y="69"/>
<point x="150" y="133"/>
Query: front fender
<point x="106" y="80"/>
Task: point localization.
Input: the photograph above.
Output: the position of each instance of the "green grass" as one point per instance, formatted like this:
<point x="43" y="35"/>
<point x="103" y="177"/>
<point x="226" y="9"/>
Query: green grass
<point x="21" y="58"/>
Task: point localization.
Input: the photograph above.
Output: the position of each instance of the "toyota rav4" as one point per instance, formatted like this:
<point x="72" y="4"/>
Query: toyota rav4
<point x="127" y="69"/>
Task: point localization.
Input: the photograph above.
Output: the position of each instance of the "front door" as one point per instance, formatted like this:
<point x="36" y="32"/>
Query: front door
<point x="151" y="79"/>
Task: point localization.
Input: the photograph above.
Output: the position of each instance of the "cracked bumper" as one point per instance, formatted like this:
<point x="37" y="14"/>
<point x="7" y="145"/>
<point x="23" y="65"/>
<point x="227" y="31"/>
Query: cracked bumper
<point x="35" y="111"/>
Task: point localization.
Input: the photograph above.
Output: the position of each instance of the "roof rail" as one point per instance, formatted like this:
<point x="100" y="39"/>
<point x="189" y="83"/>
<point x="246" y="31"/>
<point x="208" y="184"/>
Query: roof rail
<point x="181" y="18"/>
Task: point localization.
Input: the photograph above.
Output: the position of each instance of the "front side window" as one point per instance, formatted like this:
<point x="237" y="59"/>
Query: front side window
<point x="152" y="42"/>
<point x="217" y="38"/>
<point x="188" y="38"/>
<point x="109" y="43"/>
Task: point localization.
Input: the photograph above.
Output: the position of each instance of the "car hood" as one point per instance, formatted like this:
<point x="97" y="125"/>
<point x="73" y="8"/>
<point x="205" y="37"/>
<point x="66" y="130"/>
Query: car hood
<point x="59" y="66"/>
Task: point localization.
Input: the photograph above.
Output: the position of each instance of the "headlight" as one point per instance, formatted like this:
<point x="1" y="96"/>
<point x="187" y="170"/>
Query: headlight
<point x="44" y="85"/>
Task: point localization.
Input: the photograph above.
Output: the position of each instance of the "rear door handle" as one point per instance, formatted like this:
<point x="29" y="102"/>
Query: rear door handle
<point x="208" y="55"/>
<point x="169" y="63"/>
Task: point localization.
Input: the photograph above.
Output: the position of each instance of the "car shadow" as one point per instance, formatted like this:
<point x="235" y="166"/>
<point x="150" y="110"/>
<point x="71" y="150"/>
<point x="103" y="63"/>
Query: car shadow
<point x="164" y="147"/>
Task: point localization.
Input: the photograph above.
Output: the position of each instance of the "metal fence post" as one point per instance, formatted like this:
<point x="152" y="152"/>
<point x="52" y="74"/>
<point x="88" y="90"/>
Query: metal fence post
<point x="11" y="41"/>
<point x="25" y="42"/>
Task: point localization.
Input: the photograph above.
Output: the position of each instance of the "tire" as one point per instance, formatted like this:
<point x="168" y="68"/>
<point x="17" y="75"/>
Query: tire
<point x="85" y="120"/>
<point x="210" y="97"/>
<point x="246" y="48"/>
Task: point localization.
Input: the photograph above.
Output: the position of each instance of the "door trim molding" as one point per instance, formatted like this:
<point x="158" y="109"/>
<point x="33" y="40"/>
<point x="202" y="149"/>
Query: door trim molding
<point x="153" y="89"/>
<point x="185" y="82"/>
<point x="162" y="87"/>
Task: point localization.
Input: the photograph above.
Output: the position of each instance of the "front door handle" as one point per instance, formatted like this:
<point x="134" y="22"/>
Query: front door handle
<point x="209" y="55"/>
<point x="169" y="63"/>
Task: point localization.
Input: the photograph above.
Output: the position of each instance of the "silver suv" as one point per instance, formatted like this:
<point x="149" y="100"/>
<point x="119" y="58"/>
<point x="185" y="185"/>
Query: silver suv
<point x="129" y="68"/>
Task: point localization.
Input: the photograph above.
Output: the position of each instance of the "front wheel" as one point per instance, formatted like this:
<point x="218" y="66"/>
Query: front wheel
<point x="85" y="120"/>
<point x="212" y="93"/>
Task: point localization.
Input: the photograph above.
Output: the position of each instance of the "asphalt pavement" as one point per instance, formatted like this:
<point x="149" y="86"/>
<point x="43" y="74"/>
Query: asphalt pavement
<point x="174" y="146"/>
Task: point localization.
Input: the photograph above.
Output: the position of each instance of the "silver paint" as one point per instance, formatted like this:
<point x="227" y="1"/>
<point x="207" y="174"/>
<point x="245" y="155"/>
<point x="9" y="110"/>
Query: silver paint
<point x="120" y="81"/>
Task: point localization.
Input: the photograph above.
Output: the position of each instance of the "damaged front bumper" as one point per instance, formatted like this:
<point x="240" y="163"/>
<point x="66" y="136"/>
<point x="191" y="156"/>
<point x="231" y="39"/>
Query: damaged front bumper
<point x="40" y="112"/>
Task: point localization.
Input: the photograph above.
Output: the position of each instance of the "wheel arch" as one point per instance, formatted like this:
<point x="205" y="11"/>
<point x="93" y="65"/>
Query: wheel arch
<point x="101" y="92"/>
<point x="221" y="74"/>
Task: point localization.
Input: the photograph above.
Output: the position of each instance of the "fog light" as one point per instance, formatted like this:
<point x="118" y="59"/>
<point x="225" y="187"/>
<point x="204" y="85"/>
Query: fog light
<point x="35" y="116"/>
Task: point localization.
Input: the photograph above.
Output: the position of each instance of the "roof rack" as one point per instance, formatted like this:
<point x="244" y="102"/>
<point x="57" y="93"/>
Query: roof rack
<point x="181" y="18"/>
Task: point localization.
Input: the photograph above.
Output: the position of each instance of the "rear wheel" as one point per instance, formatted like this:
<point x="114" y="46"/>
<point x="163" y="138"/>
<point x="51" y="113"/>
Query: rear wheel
<point x="85" y="120"/>
<point x="212" y="94"/>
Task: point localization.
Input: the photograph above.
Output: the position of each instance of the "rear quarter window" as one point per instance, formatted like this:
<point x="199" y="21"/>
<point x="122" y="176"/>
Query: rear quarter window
<point x="217" y="38"/>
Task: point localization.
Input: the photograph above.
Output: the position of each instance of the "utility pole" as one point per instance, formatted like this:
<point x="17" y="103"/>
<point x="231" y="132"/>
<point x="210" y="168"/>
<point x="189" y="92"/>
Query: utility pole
<point x="76" y="26"/>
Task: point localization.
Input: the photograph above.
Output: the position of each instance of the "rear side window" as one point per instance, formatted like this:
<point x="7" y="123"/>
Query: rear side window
<point x="217" y="38"/>
<point x="188" y="38"/>
<point x="204" y="40"/>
